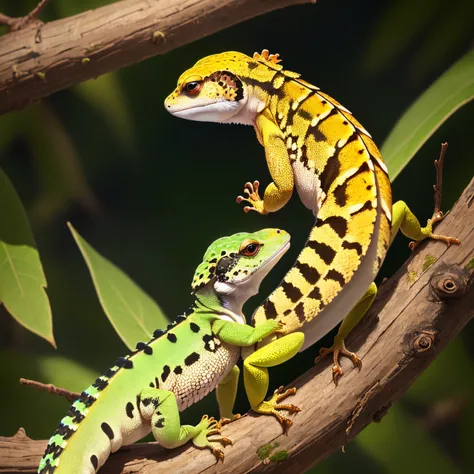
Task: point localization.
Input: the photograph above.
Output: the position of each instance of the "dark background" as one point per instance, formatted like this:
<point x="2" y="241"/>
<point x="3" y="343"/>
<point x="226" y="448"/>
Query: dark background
<point x="150" y="192"/>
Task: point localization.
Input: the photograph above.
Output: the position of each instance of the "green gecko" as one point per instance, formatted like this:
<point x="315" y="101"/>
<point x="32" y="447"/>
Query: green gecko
<point x="312" y="144"/>
<point x="146" y="390"/>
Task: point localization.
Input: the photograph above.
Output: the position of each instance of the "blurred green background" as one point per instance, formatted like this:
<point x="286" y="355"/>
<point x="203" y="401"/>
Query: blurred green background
<point x="150" y="192"/>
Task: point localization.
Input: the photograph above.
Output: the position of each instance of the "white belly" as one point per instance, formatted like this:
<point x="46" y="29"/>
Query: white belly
<point x="308" y="186"/>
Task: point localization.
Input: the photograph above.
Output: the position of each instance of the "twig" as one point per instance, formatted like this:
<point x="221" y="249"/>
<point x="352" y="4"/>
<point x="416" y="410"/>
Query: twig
<point x="15" y="24"/>
<point x="50" y="388"/>
<point x="438" y="187"/>
<point x="438" y="214"/>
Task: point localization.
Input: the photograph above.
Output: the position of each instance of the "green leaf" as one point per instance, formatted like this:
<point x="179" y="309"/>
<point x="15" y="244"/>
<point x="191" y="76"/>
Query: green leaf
<point x="22" y="281"/>
<point x="447" y="94"/>
<point x="133" y="314"/>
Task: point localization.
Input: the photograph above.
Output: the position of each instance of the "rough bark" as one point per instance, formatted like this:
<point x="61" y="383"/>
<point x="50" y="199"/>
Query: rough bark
<point x="418" y="311"/>
<point x="44" y="58"/>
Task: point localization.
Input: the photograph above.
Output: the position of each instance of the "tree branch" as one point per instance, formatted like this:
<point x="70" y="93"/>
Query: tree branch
<point x="39" y="60"/>
<point x="420" y="309"/>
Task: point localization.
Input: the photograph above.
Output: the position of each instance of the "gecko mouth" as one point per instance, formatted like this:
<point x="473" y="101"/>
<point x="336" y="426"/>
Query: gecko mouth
<point x="222" y="109"/>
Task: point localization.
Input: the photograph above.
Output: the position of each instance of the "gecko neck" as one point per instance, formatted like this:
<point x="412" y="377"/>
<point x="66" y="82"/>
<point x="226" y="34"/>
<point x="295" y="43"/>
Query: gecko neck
<point x="228" y="307"/>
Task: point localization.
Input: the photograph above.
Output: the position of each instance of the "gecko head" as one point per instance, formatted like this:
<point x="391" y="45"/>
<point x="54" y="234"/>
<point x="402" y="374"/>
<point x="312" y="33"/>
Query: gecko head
<point x="236" y="265"/>
<point x="211" y="91"/>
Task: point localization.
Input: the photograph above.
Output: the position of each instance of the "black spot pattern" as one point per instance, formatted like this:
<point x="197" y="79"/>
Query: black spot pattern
<point x="172" y="337"/>
<point x="194" y="327"/>
<point x="75" y="414"/>
<point x="94" y="461"/>
<point x="178" y="370"/>
<point x="109" y="373"/>
<point x="129" y="409"/>
<point x="326" y="252"/>
<point x="86" y="399"/>
<point x="336" y="276"/>
<point x="54" y="450"/>
<point x="165" y="373"/>
<point x="352" y="245"/>
<point x="292" y="292"/>
<point x="47" y="468"/>
<point x="299" y="311"/>
<point x="65" y="431"/>
<point x="107" y="430"/>
<point x="211" y="343"/>
<point x="141" y="346"/>
<point x="100" y="384"/>
<point x="160" y="423"/>
<point x="270" y="310"/>
<point x="315" y="293"/>
<point x="191" y="359"/>
<point x="147" y="401"/>
<point x="310" y="274"/>
<point x="124" y="362"/>
<point x="337" y="223"/>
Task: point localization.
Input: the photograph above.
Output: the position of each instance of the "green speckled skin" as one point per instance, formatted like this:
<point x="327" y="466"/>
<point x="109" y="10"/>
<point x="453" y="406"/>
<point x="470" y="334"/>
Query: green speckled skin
<point x="146" y="390"/>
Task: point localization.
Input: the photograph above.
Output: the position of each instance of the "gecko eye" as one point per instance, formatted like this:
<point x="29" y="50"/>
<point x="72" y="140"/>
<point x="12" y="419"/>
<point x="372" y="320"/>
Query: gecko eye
<point x="193" y="87"/>
<point x="250" y="249"/>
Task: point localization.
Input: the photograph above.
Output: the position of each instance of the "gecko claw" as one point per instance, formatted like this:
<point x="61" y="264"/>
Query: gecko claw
<point x="211" y="427"/>
<point x="338" y="349"/>
<point x="273" y="406"/>
<point x="437" y="217"/>
<point x="219" y="454"/>
<point x="226" y="421"/>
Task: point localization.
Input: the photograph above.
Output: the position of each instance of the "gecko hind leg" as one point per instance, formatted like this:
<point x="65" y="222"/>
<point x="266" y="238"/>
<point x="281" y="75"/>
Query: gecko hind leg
<point x="338" y="347"/>
<point x="406" y="221"/>
<point x="161" y="408"/>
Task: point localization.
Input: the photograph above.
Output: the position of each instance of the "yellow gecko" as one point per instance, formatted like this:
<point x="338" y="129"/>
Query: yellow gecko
<point x="312" y="143"/>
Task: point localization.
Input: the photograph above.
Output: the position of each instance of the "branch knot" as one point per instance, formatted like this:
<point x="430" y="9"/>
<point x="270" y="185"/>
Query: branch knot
<point x="423" y="340"/>
<point x="449" y="282"/>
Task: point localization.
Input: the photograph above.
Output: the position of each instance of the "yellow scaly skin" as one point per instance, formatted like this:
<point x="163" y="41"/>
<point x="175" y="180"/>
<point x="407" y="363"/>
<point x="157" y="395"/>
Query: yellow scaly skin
<point x="312" y="143"/>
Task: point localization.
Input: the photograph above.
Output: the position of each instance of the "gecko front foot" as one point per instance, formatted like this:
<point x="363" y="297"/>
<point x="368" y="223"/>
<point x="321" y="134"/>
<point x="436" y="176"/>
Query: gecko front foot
<point x="338" y="349"/>
<point x="438" y="217"/>
<point x="272" y="407"/>
<point x="253" y="198"/>
<point x="211" y="427"/>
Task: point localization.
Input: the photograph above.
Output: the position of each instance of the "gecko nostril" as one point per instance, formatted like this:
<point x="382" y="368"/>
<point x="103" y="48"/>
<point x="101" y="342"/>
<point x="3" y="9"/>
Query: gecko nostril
<point x="278" y="231"/>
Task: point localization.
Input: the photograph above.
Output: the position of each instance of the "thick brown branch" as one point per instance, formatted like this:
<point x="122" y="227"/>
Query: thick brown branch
<point x="39" y="60"/>
<point x="420" y="309"/>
